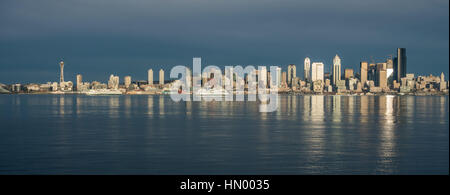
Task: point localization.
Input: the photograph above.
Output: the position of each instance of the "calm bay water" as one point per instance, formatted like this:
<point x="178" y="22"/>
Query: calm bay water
<point x="77" y="134"/>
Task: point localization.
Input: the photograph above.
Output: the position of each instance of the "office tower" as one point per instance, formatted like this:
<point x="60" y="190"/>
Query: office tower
<point x="442" y="83"/>
<point x="336" y="69"/>
<point x="390" y="71"/>
<point x="317" y="71"/>
<point x="150" y="76"/>
<point x="348" y="73"/>
<point x="61" y="76"/>
<point x="363" y="66"/>
<point x="400" y="64"/>
<point x="278" y="81"/>
<point x="307" y="69"/>
<point x="283" y="79"/>
<point x="79" y="81"/>
<point x="292" y="73"/>
<point x="161" y="77"/>
<point x="262" y="77"/>
<point x="127" y="81"/>
<point x="382" y="79"/>
<point x="381" y="75"/>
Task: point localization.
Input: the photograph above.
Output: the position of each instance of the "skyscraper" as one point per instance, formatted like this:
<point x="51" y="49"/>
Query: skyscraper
<point x="262" y="77"/>
<point x="307" y="69"/>
<point x="278" y="80"/>
<point x="348" y="73"/>
<point x="61" y="76"/>
<point x="363" y="66"/>
<point x="336" y="69"/>
<point x="389" y="70"/>
<point x="161" y="77"/>
<point x="292" y="73"/>
<point x="150" y="76"/>
<point x="400" y="64"/>
<point x="317" y="71"/>
<point x="113" y="82"/>
<point x="283" y="78"/>
<point x="381" y="79"/>
<point x="127" y="81"/>
<point x="79" y="81"/>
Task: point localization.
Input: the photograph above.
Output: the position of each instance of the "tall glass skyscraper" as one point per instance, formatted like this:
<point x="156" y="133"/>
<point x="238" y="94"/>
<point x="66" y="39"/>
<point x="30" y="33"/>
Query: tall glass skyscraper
<point x="400" y="64"/>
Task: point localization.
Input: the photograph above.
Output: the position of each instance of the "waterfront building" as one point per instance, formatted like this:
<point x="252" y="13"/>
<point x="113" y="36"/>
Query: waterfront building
<point x="307" y="69"/>
<point x="352" y="84"/>
<point x="327" y="82"/>
<point x="127" y="81"/>
<point x="161" y="77"/>
<point x="317" y="85"/>
<point x="336" y="69"/>
<point x="400" y="64"/>
<point x="16" y="88"/>
<point x="292" y="73"/>
<point x="340" y="86"/>
<point x="66" y="86"/>
<point x="54" y="86"/>
<point x="317" y="71"/>
<point x="150" y="76"/>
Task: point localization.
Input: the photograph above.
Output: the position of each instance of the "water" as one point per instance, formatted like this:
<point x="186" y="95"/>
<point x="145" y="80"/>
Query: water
<point x="77" y="134"/>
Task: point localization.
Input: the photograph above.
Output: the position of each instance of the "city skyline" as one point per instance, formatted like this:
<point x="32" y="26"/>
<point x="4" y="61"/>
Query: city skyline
<point x="232" y="33"/>
<point x="289" y="68"/>
<point x="388" y="76"/>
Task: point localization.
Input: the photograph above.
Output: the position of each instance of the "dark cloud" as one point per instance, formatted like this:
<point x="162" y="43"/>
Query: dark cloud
<point x="97" y="38"/>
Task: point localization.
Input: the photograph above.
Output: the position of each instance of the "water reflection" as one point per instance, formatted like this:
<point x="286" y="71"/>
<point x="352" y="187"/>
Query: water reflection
<point x="161" y="106"/>
<point x="150" y="105"/>
<point x="114" y="106"/>
<point x="317" y="109"/>
<point x="336" y="109"/>
<point x="315" y="135"/>
<point x="387" y="148"/>
<point x="307" y="135"/>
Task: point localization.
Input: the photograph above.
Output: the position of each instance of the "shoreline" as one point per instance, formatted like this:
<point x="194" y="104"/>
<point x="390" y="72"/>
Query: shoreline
<point x="280" y="93"/>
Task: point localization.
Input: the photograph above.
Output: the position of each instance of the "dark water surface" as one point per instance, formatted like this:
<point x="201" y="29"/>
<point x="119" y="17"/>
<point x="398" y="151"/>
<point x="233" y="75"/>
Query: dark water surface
<point x="77" y="134"/>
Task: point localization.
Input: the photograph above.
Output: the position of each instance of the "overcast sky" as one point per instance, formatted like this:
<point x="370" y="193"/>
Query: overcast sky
<point x="97" y="38"/>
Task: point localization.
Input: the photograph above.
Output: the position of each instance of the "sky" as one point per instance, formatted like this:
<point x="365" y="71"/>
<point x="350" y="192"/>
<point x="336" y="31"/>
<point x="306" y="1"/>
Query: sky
<point x="97" y="38"/>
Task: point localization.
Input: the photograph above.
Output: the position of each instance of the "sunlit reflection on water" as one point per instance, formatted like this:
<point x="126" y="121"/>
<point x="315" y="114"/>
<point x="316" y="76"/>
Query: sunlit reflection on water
<point x="155" y="135"/>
